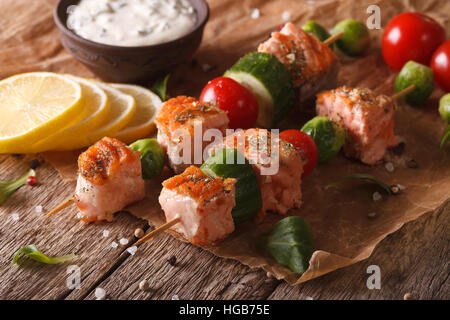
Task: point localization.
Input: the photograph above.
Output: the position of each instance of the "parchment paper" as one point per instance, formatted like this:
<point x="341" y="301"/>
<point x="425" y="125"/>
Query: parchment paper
<point x="342" y="230"/>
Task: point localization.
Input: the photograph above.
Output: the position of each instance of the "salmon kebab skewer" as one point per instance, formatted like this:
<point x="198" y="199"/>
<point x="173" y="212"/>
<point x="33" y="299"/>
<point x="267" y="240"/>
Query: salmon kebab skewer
<point x="367" y="117"/>
<point x="176" y="122"/>
<point x="202" y="204"/>
<point x="109" y="179"/>
<point x="280" y="177"/>
<point x="199" y="206"/>
<point x="313" y="65"/>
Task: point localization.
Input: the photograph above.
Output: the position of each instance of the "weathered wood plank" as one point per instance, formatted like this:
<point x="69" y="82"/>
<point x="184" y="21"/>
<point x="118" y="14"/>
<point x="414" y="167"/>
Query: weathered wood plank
<point x="414" y="259"/>
<point x="58" y="235"/>
<point x="409" y="262"/>
<point x="197" y="274"/>
<point x="410" y="259"/>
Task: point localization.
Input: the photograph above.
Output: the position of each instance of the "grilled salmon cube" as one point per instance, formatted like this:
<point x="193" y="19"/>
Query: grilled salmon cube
<point x="278" y="170"/>
<point x="176" y="122"/>
<point x="109" y="179"/>
<point x="314" y="66"/>
<point x="203" y="203"/>
<point x="367" y="117"/>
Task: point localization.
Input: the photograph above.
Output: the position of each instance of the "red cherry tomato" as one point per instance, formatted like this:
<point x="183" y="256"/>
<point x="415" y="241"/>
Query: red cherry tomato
<point x="236" y="100"/>
<point x="305" y="145"/>
<point x="440" y="63"/>
<point x="411" y="36"/>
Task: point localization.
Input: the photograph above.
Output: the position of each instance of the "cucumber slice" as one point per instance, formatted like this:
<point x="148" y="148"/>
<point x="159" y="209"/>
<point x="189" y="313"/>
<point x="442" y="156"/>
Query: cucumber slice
<point x="271" y="83"/>
<point x="230" y="163"/>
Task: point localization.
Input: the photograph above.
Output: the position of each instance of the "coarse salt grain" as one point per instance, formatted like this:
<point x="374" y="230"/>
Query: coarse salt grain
<point x="123" y="241"/>
<point x="401" y="187"/>
<point x="105" y="233"/>
<point x="39" y="209"/>
<point x="286" y="15"/>
<point x="255" y="13"/>
<point x="100" y="293"/>
<point x="15" y="217"/>
<point x="389" y="167"/>
<point x="132" y="250"/>
<point x="376" y="196"/>
<point x="175" y="297"/>
<point x="371" y="215"/>
<point x="114" y="244"/>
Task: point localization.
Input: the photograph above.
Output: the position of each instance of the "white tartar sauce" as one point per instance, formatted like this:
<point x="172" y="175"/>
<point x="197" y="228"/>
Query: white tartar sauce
<point x="131" y="23"/>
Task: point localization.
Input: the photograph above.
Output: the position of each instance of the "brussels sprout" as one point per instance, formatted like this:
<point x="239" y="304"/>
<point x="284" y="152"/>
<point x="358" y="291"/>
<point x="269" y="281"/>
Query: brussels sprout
<point x="152" y="157"/>
<point x="328" y="135"/>
<point x="316" y="29"/>
<point x="419" y="75"/>
<point x="444" y="107"/>
<point x="356" y="39"/>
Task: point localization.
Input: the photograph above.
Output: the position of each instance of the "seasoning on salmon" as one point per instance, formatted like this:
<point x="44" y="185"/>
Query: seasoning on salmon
<point x="314" y="66"/>
<point x="109" y="179"/>
<point x="203" y="203"/>
<point x="367" y="117"/>
<point x="176" y="122"/>
<point x="277" y="164"/>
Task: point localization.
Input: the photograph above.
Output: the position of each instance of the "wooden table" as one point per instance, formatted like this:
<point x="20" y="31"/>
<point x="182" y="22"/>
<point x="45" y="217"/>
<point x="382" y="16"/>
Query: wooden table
<point x="414" y="259"/>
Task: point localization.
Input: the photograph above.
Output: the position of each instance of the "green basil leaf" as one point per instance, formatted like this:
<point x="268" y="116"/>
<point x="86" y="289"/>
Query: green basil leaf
<point x="7" y="188"/>
<point x="361" y="176"/>
<point x="445" y="138"/>
<point x="291" y="243"/>
<point x="32" y="252"/>
<point x="160" y="87"/>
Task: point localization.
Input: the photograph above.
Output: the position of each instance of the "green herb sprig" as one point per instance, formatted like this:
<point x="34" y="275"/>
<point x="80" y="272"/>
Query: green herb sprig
<point x="291" y="243"/>
<point x="32" y="252"/>
<point x="160" y="87"/>
<point x="364" y="177"/>
<point x="7" y="188"/>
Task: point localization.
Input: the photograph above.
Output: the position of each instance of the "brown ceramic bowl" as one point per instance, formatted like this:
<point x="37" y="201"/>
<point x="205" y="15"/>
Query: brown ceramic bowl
<point x="131" y="64"/>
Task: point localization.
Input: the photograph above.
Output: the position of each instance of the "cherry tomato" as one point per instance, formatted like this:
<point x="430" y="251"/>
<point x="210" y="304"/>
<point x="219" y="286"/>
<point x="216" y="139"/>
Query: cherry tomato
<point x="305" y="145"/>
<point x="440" y="63"/>
<point x="236" y="100"/>
<point x="411" y="36"/>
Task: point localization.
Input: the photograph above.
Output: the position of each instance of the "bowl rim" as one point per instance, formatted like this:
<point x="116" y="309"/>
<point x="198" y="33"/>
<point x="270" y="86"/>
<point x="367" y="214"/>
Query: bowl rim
<point x="64" y="29"/>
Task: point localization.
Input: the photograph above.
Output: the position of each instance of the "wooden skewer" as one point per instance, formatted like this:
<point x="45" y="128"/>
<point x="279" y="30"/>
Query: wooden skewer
<point x="403" y="92"/>
<point x="333" y="38"/>
<point x="164" y="227"/>
<point x="61" y="206"/>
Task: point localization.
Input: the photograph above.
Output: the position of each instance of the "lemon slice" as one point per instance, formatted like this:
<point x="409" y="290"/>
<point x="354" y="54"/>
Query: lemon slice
<point x="122" y="109"/>
<point x="34" y="106"/>
<point x="147" y="106"/>
<point x="96" y="109"/>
